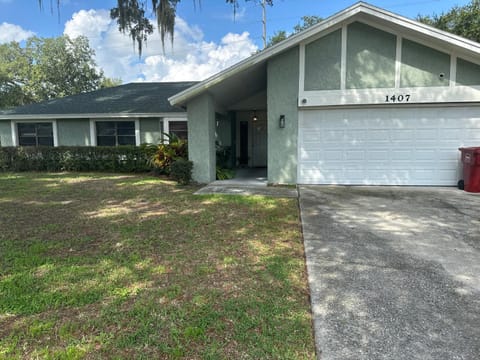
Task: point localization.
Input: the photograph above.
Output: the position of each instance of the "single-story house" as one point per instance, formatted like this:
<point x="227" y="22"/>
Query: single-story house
<point x="364" y="97"/>
<point x="130" y="114"/>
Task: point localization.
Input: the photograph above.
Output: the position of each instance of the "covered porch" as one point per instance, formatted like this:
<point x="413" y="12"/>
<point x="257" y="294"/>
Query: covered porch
<point x="228" y="126"/>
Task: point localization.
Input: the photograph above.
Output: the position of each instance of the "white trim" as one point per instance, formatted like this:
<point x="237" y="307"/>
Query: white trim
<point x="398" y="61"/>
<point x="405" y="35"/>
<point x="14" y="129"/>
<point x="301" y="77"/>
<point x="300" y="140"/>
<point x="166" y="126"/>
<point x="89" y="116"/>
<point x="359" y="8"/>
<point x="55" y="133"/>
<point x="434" y="94"/>
<point x="453" y="70"/>
<point x="93" y="128"/>
<point x="93" y="133"/>
<point x="137" y="132"/>
<point x="343" y="59"/>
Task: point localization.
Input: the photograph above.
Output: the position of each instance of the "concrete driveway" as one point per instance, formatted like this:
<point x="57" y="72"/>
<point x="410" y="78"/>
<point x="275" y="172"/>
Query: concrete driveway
<point x="394" y="272"/>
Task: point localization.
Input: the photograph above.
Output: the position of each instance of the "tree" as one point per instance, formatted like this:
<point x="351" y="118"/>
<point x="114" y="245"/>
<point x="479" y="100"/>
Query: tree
<point x="110" y="82"/>
<point x="460" y="20"/>
<point x="13" y="74"/>
<point x="132" y="19"/>
<point x="306" y="22"/>
<point x="47" y="68"/>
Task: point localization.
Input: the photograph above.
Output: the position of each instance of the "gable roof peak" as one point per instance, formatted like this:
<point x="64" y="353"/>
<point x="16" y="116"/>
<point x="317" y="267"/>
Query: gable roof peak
<point x="362" y="8"/>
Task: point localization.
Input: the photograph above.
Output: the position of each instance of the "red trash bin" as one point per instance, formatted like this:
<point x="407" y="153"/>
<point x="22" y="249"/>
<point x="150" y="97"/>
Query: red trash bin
<point x="471" y="168"/>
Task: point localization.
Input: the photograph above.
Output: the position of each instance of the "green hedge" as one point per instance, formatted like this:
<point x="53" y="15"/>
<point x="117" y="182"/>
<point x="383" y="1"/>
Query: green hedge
<point x="77" y="158"/>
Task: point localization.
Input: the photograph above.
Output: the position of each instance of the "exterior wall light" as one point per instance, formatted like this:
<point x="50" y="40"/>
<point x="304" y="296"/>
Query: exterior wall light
<point x="281" y="121"/>
<point x="254" y="117"/>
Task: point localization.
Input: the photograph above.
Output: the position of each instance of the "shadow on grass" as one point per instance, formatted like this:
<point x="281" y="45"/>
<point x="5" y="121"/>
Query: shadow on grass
<point x="133" y="266"/>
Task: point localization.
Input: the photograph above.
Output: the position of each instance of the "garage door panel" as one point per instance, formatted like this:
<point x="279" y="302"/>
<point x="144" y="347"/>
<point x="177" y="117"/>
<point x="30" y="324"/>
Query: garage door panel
<point x="331" y="155"/>
<point x="401" y="135"/>
<point x="473" y="136"/>
<point x="385" y="146"/>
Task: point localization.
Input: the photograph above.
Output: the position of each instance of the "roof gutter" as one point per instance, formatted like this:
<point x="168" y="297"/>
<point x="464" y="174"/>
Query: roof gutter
<point x="89" y="116"/>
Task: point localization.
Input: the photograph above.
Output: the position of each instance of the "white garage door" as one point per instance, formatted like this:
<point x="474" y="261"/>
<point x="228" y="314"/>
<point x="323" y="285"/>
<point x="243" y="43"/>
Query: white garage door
<point x="385" y="146"/>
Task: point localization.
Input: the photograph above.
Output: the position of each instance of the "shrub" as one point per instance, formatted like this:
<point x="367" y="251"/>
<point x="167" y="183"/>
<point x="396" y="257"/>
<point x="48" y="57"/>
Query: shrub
<point x="181" y="171"/>
<point x="224" y="155"/>
<point x="168" y="153"/>
<point x="77" y="158"/>
<point x="224" y="174"/>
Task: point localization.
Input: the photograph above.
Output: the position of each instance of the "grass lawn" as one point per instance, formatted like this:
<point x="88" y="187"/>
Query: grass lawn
<point x="127" y="266"/>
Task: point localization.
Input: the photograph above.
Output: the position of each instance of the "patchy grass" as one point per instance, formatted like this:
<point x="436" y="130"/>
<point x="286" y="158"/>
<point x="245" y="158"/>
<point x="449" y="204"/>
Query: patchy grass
<point x="119" y="266"/>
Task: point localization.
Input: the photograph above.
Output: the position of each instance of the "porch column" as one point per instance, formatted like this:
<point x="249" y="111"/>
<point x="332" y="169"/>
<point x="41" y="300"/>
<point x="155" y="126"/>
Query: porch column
<point x="201" y="137"/>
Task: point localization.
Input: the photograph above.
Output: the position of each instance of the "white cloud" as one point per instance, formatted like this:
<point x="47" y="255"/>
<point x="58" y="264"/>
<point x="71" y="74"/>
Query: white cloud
<point x="192" y="58"/>
<point x="91" y="23"/>
<point x="11" y="32"/>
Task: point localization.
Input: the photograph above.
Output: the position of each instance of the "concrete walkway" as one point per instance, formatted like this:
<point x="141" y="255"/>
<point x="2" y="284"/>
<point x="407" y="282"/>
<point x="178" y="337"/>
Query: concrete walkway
<point x="275" y="191"/>
<point x="248" y="181"/>
<point x="394" y="273"/>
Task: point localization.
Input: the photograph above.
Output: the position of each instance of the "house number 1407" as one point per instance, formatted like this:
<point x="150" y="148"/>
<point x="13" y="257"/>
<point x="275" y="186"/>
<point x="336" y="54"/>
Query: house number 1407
<point x="397" y="98"/>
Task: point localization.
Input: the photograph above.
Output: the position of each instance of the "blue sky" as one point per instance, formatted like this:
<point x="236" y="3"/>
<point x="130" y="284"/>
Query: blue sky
<point x="208" y="38"/>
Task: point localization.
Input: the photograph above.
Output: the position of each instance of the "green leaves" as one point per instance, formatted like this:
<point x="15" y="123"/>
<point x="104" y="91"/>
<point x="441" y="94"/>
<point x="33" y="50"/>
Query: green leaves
<point x="132" y="18"/>
<point x="281" y="35"/>
<point x="460" y="20"/>
<point x="47" y="68"/>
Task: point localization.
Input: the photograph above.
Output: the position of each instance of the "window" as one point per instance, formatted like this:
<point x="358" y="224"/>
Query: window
<point x="178" y="128"/>
<point x="114" y="133"/>
<point x="35" y="134"/>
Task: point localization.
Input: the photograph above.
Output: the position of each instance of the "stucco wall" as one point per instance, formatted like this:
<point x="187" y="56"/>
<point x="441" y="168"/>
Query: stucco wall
<point x="201" y="137"/>
<point x="282" y="93"/>
<point x="422" y="66"/>
<point x="467" y="73"/>
<point x="5" y="133"/>
<point x="322" y="62"/>
<point x="370" y="57"/>
<point x="73" y="132"/>
<point x="150" y="131"/>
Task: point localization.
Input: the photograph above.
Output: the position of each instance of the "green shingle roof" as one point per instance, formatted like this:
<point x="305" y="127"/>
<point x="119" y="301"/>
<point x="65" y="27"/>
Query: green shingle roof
<point x="133" y="98"/>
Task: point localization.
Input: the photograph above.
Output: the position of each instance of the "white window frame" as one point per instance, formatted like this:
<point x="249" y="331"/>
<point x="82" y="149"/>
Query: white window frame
<point x="93" y="128"/>
<point x="14" y="128"/>
<point x="166" y="127"/>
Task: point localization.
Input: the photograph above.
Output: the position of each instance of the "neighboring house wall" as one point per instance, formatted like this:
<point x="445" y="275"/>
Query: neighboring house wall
<point x="201" y="139"/>
<point x="5" y="133"/>
<point x="73" y="132"/>
<point x="282" y="93"/>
